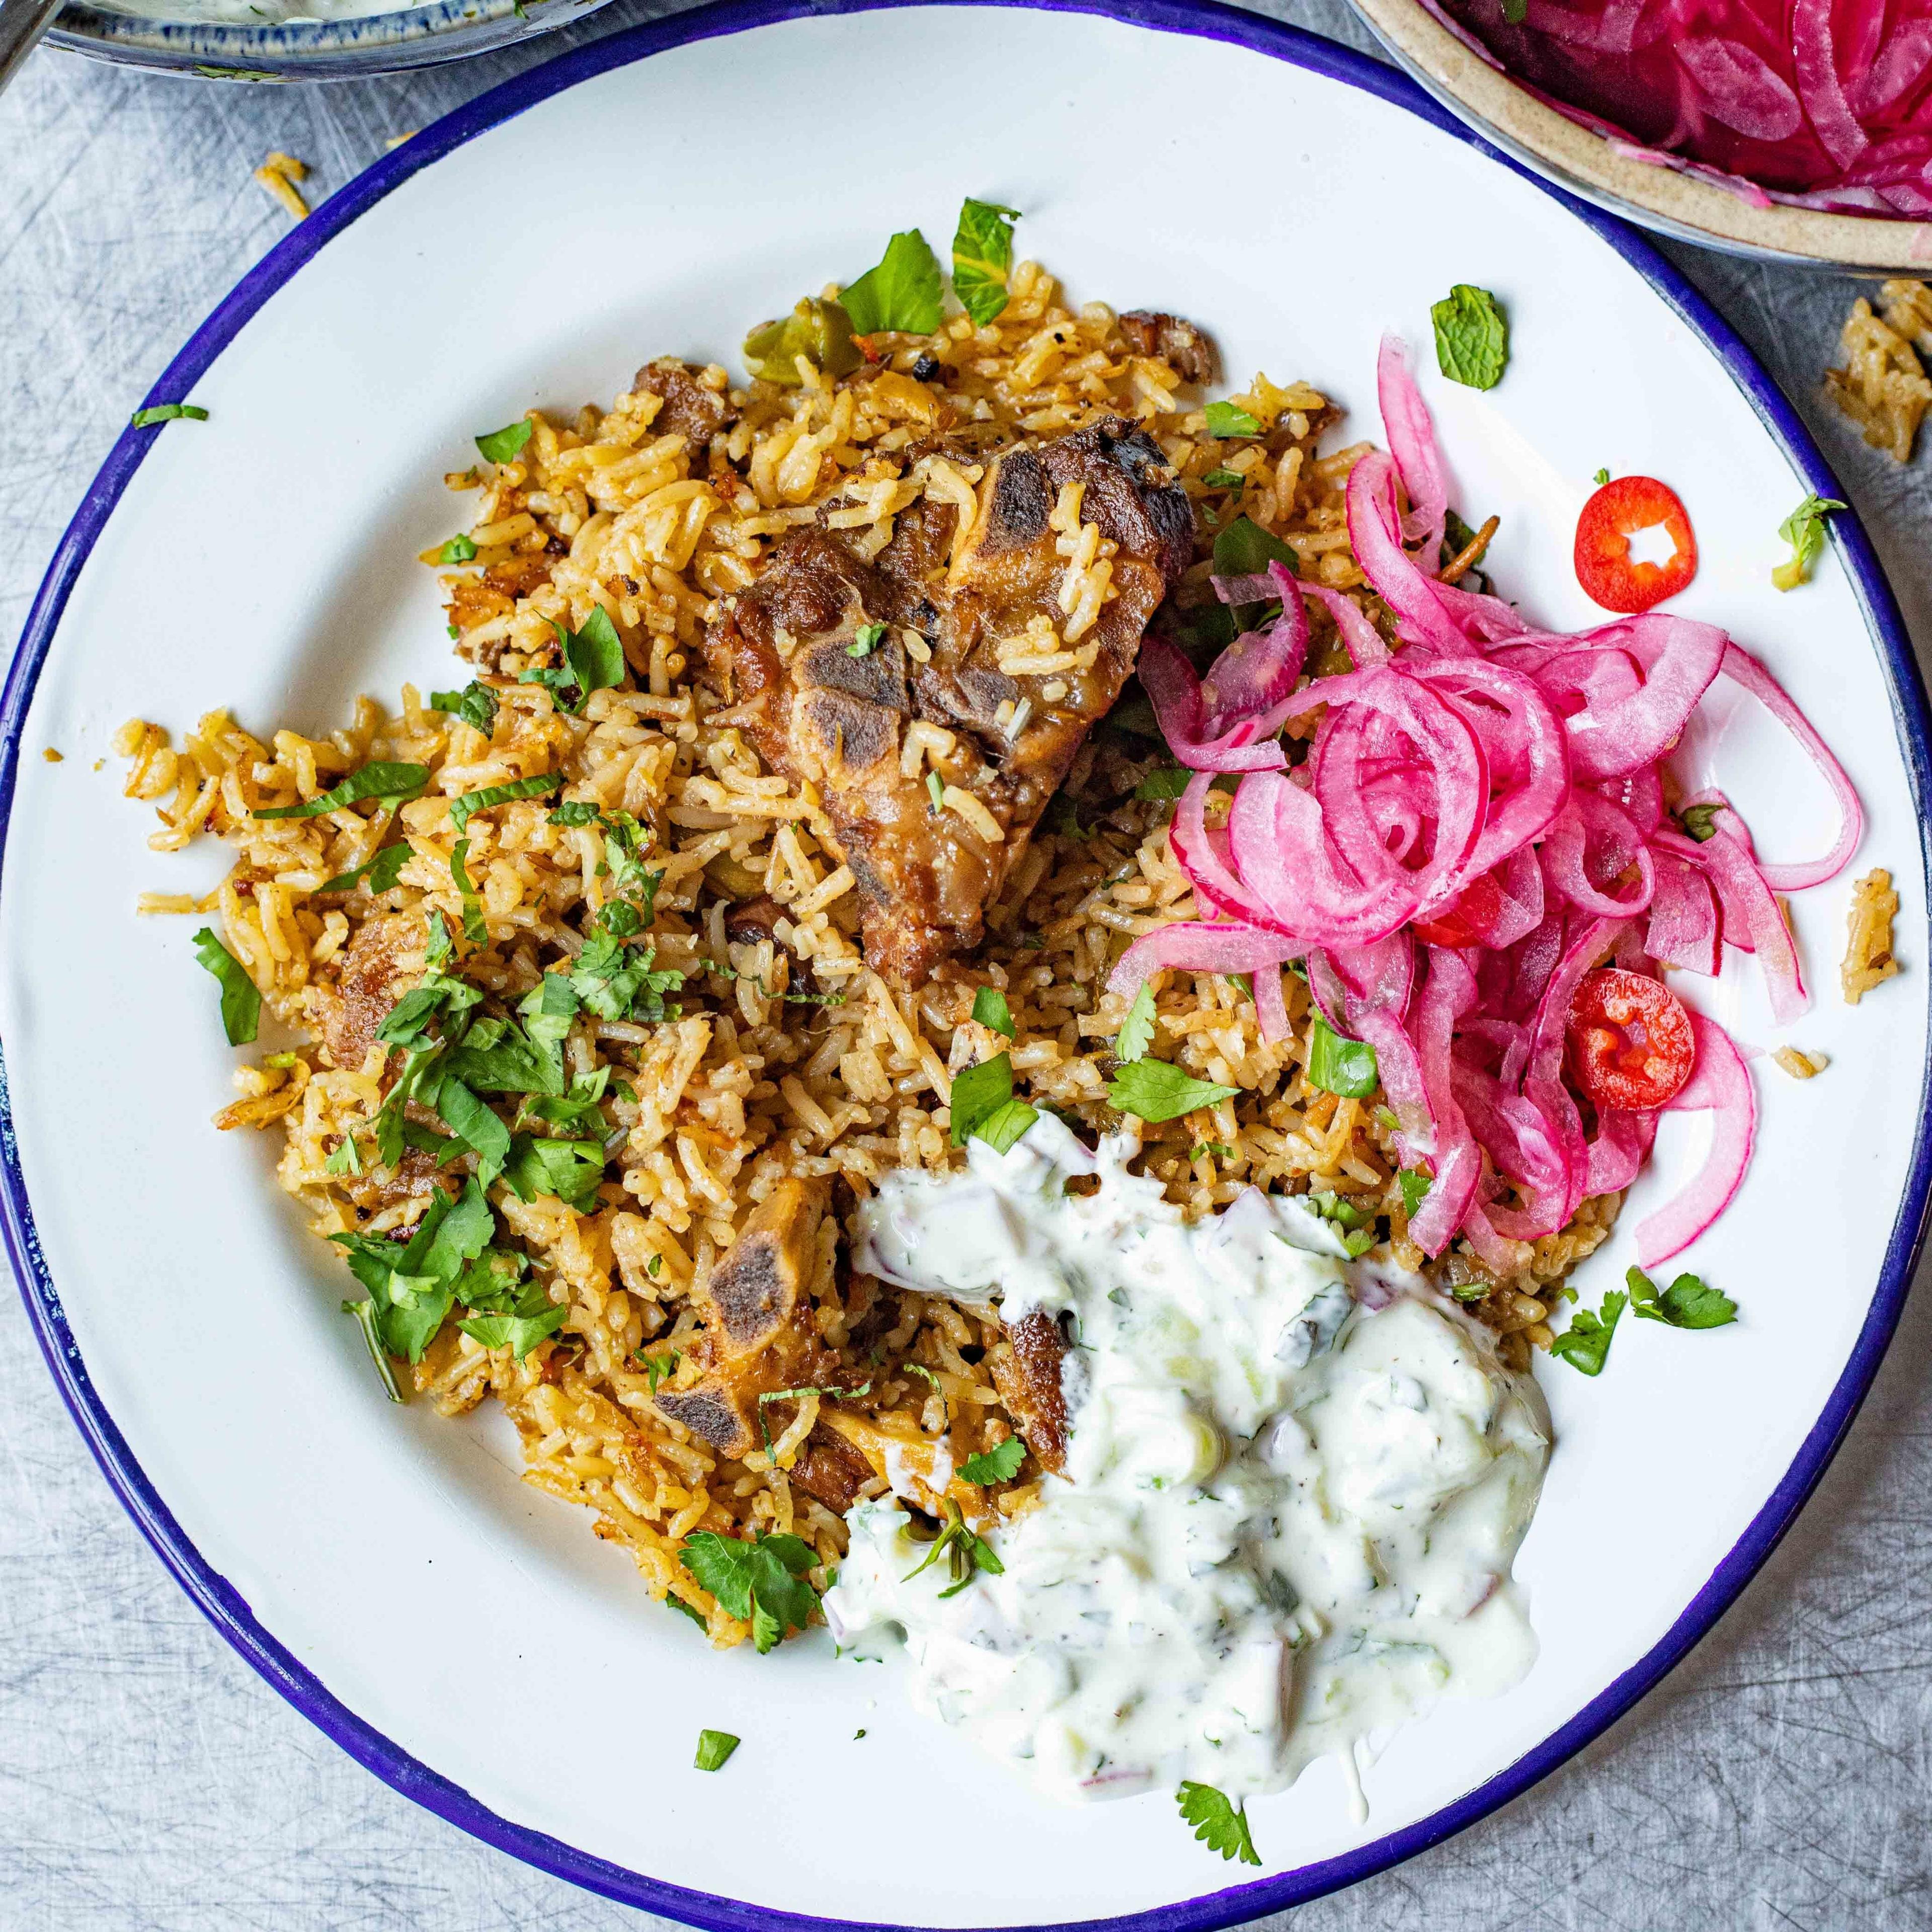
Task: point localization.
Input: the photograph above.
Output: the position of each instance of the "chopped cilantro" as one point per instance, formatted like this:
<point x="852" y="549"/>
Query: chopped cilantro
<point x="966" y="1554"/>
<point x="241" y="1002"/>
<point x="380" y="873"/>
<point x="1586" y="1344"/>
<point x="345" y="1160"/>
<point x="684" y="1609"/>
<point x="1230" y="419"/>
<point x="1339" y="1065"/>
<point x="462" y="810"/>
<point x="1136" y="1034"/>
<point x="1220" y="1150"/>
<point x="460" y="549"/>
<point x="935" y="791"/>
<point x="505" y="444"/>
<point x="161" y="412"/>
<point x="1164" y="781"/>
<point x="1689" y="1302"/>
<point x="660" y="1368"/>
<point x="1218" y="1823"/>
<point x="1414" y="1185"/>
<point x="475" y="704"/>
<point x="1223" y="479"/>
<point x="713" y="1748"/>
<point x="761" y="1582"/>
<point x="390" y="782"/>
<point x="903" y="292"/>
<point x="984" y="1107"/>
<point x="476" y="1125"/>
<point x="1006" y="1125"/>
<point x="1602" y="477"/>
<point x="982" y="258"/>
<point x="864" y="640"/>
<point x="593" y="661"/>
<point x="1244" y="549"/>
<point x="1471" y="337"/>
<point x="999" y="1464"/>
<point x="990" y="1009"/>
<point x="1156" y="1091"/>
<point x="519" y="1334"/>
<point x="570" y="1170"/>
<point x="1804" y="530"/>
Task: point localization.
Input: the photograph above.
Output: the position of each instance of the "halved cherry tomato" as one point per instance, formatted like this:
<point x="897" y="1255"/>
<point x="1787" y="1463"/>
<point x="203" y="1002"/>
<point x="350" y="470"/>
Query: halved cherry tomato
<point x="1610" y="576"/>
<point x="1629" y="1040"/>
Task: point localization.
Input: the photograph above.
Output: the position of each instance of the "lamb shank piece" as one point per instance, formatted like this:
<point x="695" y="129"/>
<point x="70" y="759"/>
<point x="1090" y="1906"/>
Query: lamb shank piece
<point x="1030" y="627"/>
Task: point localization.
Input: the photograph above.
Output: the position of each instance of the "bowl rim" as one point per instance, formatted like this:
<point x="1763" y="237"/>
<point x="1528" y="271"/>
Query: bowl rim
<point x="1588" y="164"/>
<point x="229" y="1612"/>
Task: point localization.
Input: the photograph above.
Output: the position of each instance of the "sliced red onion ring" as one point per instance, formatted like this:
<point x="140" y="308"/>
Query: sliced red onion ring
<point x="1180" y="708"/>
<point x="1685" y="929"/>
<point x="1411" y="442"/>
<point x="1201" y="945"/>
<point x="1720" y="1085"/>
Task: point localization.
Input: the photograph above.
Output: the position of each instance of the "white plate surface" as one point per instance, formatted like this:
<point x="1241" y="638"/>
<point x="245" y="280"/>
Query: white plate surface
<point x="266" y="560"/>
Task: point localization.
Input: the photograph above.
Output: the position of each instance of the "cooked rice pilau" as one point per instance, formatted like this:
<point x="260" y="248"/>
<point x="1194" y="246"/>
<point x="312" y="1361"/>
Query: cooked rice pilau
<point x="783" y="1054"/>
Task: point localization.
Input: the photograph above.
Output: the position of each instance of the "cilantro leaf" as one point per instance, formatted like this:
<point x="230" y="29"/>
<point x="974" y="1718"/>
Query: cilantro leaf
<point x="474" y="1124"/>
<point x="1804" y="530"/>
<point x="999" y="1464"/>
<point x="714" y="1747"/>
<point x="496" y="1056"/>
<point x="982" y="258"/>
<point x="162" y="413"/>
<point x="903" y="292"/>
<point x="505" y="444"/>
<point x="1244" y="549"/>
<point x="382" y="871"/>
<point x="990" y="1009"/>
<point x="1471" y="337"/>
<point x="659" y="1368"/>
<point x="387" y="781"/>
<point x="978" y="1093"/>
<point x="1689" y="1302"/>
<point x="364" y="1313"/>
<point x="864" y="640"/>
<point x="1223" y="479"/>
<point x="1156" y="1091"/>
<point x="760" y="1582"/>
<point x="966" y="1553"/>
<point x="1414" y="1185"/>
<point x="461" y="1233"/>
<point x="462" y="810"/>
<point x="1006" y="1125"/>
<point x="241" y="1002"/>
<point x="519" y="1334"/>
<point x="570" y="1170"/>
<point x="1220" y="1824"/>
<point x="1586" y="1344"/>
<point x="1339" y="1065"/>
<point x="1164" y="781"/>
<point x="1230" y="419"/>
<point x="460" y="549"/>
<point x="1136" y="1034"/>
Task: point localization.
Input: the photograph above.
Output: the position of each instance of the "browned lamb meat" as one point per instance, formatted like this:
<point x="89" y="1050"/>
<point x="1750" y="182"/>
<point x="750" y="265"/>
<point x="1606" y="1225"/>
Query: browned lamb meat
<point x="1177" y="342"/>
<point x="379" y="965"/>
<point x="692" y="408"/>
<point x="1026" y="1371"/>
<point x="813" y="654"/>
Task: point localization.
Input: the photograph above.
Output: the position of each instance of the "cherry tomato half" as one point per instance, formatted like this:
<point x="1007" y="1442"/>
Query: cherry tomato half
<point x="1610" y="576"/>
<point x="1629" y="1040"/>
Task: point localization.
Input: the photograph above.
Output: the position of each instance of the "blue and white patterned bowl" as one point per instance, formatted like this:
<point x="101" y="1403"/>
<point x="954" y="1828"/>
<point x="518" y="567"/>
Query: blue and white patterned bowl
<point x="314" y="49"/>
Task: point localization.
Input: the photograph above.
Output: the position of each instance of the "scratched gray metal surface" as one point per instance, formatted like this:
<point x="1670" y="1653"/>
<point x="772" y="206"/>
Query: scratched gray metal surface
<point x="150" y="1782"/>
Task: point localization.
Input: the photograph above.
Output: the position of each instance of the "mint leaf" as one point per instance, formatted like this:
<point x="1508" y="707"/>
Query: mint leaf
<point x="382" y="871"/>
<point x="389" y="782"/>
<point x="1221" y="1825"/>
<point x="1005" y="1124"/>
<point x="596" y="653"/>
<point x="1244" y="549"/>
<point x="999" y="1464"/>
<point x="574" y="811"/>
<point x="505" y="444"/>
<point x="713" y="1746"/>
<point x="1689" y="1302"/>
<point x="1157" y="1091"/>
<point x="241" y="1002"/>
<point x="462" y="810"/>
<point x="982" y="258"/>
<point x="1339" y="1065"/>
<point x="475" y="704"/>
<point x="864" y="640"/>
<point x="903" y="292"/>
<point x="1136" y="1034"/>
<point x="1586" y="1344"/>
<point x="1471" y="337"/>
<point x="990" y="1009"/>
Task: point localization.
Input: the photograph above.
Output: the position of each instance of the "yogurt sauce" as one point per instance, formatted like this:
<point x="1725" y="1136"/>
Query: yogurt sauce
<point x="1295" y="1486"/>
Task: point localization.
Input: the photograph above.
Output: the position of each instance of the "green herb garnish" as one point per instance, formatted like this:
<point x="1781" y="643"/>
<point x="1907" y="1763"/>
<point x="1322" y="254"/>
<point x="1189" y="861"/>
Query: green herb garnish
<point x="990" y="1009"/>
<point x="241" y="1002"/>
<point x="904" y="292"/>
<point x="474" y="928"/>
<point x="1220" y="1824"/>
<point x="390" y="782"/>
<point x="1804" y="530"/>
<point x="463" y="809"/>
<point x="504" y="445"/>
<point x="574" y="811"/>
<point x="864" y="640"/>
<point x="966" y="1553"/>
<point x="1230" y="419"/>
<point x="1339" y="1065"/>
<point x="714" y="1746"/>
<point x="999" y="1464"/>
<point x="475" y="704"/>
<point x="1156" y="1091"/>
<point x="381" y="872"/>
<point x="460" y="549"/>
<point x="1586" y="1344"/>
<point x="1689" y="1302"/>
<point x="1415" y="1186"/>
<point x="1602" y="477"/>
<point x="660" y="1368"/>
<point x="1223" y="479"/>
<point x="1244" y="549"/>
<point x="982" y="258"/>
<point x="1136" y="1034"/>
<point x="1164" y="781"/>
<point x="761" y="1582"/>
<point x="1471" y="337"/>
<point x="1700" y="821"/>
<point x="162" y="413"/>
<point x="984" y="1105"/>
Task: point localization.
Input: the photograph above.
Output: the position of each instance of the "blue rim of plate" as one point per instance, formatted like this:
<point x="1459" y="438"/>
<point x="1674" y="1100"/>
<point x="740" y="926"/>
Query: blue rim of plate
<point x="223" y="1606"/>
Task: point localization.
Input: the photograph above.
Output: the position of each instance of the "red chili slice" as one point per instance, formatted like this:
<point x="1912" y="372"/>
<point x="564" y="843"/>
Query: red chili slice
<point x="1463" y="921"/>
<point x="1610" y="576"/>
<point x="1629" y="1040"/>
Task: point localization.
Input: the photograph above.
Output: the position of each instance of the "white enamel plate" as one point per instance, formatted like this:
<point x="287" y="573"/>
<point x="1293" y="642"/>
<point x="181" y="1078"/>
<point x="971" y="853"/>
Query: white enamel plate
<point x="469" y="1640"/>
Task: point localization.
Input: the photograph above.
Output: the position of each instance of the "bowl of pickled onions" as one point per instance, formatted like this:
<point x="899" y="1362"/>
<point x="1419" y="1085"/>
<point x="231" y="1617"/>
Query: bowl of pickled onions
<point x="1792" y="129"/>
